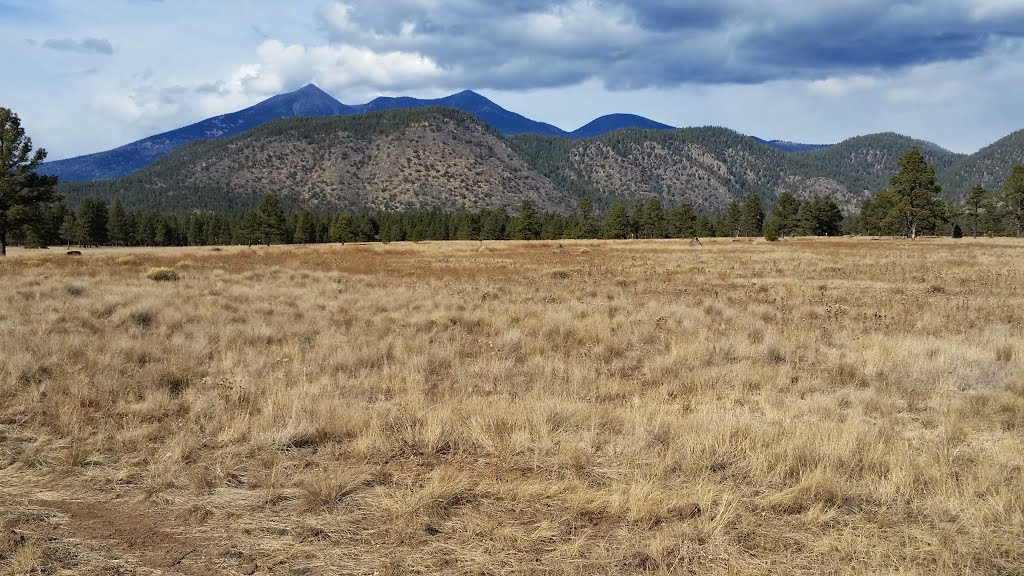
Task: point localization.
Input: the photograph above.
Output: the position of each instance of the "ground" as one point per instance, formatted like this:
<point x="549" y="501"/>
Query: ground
<point x="840" y="406"/>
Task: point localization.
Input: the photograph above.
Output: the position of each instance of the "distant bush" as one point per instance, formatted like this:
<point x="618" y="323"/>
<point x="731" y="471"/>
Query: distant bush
<point x="771" y="230"/>
<point x="162" y="275"/>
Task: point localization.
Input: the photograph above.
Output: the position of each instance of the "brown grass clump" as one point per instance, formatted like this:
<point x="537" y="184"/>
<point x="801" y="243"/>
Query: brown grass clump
<point x="806" y="407"/>
<point x="162" y="275"/>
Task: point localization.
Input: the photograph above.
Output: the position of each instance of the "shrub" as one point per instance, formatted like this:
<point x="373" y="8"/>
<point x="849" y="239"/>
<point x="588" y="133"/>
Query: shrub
<point x="162" y="275"/>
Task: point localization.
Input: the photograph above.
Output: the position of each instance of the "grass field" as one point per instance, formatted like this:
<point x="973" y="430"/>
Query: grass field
<point x="806" y="407"/>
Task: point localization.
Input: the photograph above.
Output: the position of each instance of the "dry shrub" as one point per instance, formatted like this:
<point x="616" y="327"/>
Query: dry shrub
<point x="162" y="275"/>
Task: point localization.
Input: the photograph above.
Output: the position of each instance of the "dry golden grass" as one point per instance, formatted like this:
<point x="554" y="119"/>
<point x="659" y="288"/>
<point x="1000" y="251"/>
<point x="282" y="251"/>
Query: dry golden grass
<point x="805" y="407"/>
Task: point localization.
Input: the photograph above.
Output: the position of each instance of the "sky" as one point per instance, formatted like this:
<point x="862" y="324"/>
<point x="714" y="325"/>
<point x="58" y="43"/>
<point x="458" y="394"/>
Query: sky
<point x="89" y="76"/>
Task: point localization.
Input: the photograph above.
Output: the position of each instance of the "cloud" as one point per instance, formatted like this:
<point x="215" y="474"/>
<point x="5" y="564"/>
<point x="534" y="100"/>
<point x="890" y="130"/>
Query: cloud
<point x="651" y="43"/>
<point x="951" y="71"/>
<point x="841" y="86"/>
<point x="83" y="46"/>
<point x="281" y="67"/>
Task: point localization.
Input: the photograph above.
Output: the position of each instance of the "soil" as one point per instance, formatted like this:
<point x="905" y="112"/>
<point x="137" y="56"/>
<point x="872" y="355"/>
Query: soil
<point x="121" y="532"/>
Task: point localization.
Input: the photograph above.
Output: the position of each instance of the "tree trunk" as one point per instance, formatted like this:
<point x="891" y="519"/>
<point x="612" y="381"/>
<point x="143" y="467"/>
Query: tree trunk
<point x="3" y="244"/>
<point x="913" y="231"/>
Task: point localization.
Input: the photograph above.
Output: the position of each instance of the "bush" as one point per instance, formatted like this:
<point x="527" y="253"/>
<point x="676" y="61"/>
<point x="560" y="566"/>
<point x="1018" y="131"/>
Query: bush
<point x="162" y="275"/>
<point x="771" y="231"/>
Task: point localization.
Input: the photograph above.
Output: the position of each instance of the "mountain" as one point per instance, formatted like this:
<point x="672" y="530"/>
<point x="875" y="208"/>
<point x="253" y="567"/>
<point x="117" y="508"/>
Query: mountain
<point x="508" y="123"/>
<point x="448" y="159"/>
<point x="787" y="146"/>
<point x="307" y="101"/>
<point x="394" y="159"/>
<point x="311" y="101"/>
<point x="864" y="164"/>
<point x="613" y="122"/>
<point x="989" y="166"/>
<point x="706" y="167"/>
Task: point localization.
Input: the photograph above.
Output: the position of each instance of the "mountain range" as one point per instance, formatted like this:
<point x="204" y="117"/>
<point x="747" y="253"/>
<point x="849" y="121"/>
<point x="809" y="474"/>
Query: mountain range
<point x="440" y="157"/>
<point x="312" y="101"/>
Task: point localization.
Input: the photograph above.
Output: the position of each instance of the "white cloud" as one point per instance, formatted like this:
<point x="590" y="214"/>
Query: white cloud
<point x="841" y="86"/>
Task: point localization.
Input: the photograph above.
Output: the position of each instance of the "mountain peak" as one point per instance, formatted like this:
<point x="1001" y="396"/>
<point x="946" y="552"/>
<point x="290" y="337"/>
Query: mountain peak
<point x="613" y="122"/>
<point x="311" y="89"/>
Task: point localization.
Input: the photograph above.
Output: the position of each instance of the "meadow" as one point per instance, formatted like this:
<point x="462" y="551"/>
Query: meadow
<point x="813" y="406"/>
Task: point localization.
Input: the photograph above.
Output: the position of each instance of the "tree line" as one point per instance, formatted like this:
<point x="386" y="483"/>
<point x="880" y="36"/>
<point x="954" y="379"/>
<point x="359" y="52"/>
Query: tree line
<point x="910" y="207"/>
<point x="96" y="223"/>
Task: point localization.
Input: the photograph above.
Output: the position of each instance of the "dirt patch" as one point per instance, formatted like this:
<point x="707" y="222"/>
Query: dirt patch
<point x="118" y="532"/>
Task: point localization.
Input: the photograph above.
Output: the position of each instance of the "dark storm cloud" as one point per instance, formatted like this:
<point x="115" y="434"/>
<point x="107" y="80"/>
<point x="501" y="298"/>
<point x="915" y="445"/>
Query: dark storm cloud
<point x="83" y="46"/>
<point x="527" y="43"/>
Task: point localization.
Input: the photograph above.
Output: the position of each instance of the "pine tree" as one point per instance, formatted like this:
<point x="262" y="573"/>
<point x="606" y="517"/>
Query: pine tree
<point x="916" y="190"/>
<point x="305" y="232"/>
<point x="270" y="222"/>
<point x="526" y="226"/>
<point x="92" y="222"/>
<point x="616" y="225"/>
<point x="343" y="228"/>
<point x="247" y="229"/>
<point x="682" y="222"/>
<point x="751" y="221"/>
<point x="651" y="220"/>
<point x="494" y="225"/>
<point x="69" y="230"/>
<point x="118" y="231"/>
<point x="786" y="215"/>
<point x="730" y="222"/>
<point x="22" y="190"/>
<point x="821" y="216"/>
<point x="974" y="207"/>
<point x="588" y="225"/>
<point x="1013" y="198"/>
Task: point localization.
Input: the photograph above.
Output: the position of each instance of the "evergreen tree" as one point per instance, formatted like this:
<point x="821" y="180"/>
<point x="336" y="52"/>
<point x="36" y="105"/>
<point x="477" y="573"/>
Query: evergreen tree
<point x="526" y="226"/>
<point x="343" y="228"/>
<point x="916" y="191"/>
<point x="69" y="230"/>
<point x="92" y="222"/>
<point x="821" y="216"/>
<point x="270" y="221"/>
<point x="145" y="232"/>
<point x="974" y="208"/>
<point x="588" y="224"/>
<point x="247" y="229"/>
<point x="879" y="216"/>
<point x="467" y="226"/>
<point x="305" y="231"/>
<point x="616" y="225"/>
<point x="195" y="232"/>
<point x="651" y="220"/>
<point x="786" y="215"/>
<point x="118" y="231"/>
<point x="751" y="221"/>
<point x="730" y="222"/>
<point x="682" y="222"/>
<point x="1013" y="199"/>
<point x="22" y="190"/>
<point x="493" y="225"/>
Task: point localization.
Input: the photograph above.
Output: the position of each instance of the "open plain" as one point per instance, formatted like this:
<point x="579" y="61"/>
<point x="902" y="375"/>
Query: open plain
<point x="841" y="406"/>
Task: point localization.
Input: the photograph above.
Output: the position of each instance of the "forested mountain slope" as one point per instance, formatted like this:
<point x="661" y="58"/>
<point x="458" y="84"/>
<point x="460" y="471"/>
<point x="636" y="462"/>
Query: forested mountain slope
<point x="398" y="159"/>
<point x="445" y="158"/>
